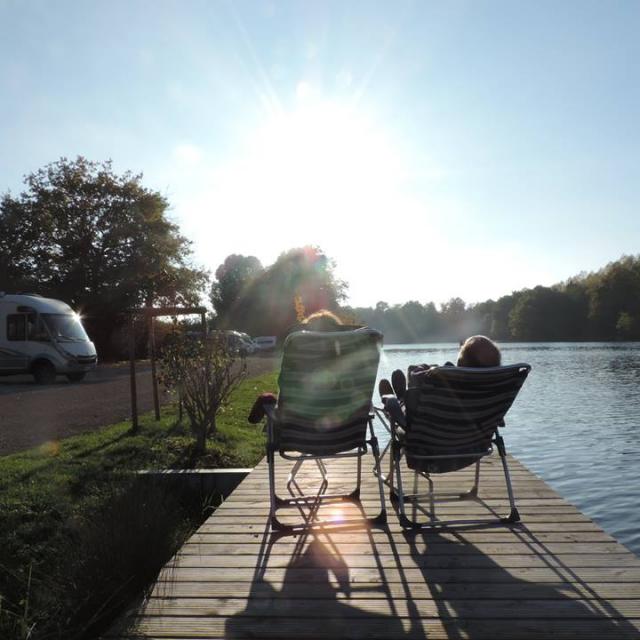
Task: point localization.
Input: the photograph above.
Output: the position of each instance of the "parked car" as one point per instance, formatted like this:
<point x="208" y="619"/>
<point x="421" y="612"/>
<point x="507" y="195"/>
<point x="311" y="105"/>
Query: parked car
<point x="239" y="342"/>
<point x="265" y="343"/>
<point x="242" y="342"/>
<point x="44" y="337"/>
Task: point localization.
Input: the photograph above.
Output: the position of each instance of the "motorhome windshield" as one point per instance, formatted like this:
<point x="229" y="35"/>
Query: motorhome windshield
<point x="65" y="326"/>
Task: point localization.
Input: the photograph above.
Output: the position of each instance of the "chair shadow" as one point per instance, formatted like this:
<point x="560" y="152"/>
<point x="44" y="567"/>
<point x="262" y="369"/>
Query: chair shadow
<point x="315" y="590"/>
<point x="488" y="594"/>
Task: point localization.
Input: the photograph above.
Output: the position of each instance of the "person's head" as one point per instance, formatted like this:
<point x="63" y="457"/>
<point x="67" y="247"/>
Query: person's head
<point x="322" y="320"/>
<point x="479" y="351"/>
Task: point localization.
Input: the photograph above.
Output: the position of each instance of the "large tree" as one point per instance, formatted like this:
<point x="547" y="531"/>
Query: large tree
<point x="97" y="240"/>
<point x="267" y="302"/>
<point x="233" y="279"/>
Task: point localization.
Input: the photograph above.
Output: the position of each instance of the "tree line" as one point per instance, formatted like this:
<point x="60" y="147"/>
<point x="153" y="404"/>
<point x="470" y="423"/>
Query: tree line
<point x="603" y="305"/>
<point x="105" y="244"/>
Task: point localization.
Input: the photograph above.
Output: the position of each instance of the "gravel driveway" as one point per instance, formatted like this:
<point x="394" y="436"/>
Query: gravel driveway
<point x="31" y="414"/>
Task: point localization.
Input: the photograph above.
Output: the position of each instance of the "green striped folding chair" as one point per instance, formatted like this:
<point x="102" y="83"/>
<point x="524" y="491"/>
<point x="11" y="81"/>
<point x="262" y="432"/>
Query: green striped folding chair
<point x="450" y="421"/>
<point x="324" y="409"/>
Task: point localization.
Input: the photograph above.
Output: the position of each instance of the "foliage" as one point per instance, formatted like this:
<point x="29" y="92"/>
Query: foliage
<point x="545" y="313"/>
<point x="233" y="277"/>
<point x="269" y="301"/>
<point x="615" y="290"/>
<point x="628" y="327"/>
<point x="79" y="538"/>
<point x="204" y="372"/>
<point x="98" y="240"/>
<point x="604" y="305"/>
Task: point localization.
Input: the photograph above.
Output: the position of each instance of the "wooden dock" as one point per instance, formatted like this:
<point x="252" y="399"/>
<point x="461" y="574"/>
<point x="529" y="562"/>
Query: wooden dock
<point x="554" y="575"/>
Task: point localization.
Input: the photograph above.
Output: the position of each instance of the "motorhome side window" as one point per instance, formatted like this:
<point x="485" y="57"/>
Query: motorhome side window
<point x="16" y="327"/>
<point x="33" y="327"/>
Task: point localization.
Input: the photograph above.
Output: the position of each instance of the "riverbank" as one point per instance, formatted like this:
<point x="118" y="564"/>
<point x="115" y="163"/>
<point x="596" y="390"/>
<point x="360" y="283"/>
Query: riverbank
<point x="79" y="536"/>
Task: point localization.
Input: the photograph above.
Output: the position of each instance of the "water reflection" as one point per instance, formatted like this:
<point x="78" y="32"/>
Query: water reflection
<point x="575" y="422"/>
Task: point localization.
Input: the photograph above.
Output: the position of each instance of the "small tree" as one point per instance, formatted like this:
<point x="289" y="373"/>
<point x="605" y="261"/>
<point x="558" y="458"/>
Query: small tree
<point x="204" y="372"/>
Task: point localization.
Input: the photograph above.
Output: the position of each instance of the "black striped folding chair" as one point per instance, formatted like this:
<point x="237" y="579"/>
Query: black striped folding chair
<point x="324" y="409"/>
<point x="450" y="421"/>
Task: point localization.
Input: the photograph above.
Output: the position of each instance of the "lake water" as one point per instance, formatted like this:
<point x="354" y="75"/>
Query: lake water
<point x="575" y="423"/>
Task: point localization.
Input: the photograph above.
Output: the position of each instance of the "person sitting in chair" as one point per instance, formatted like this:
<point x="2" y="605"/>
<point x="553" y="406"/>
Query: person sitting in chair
<point x="476" y="351"/>
<point x="322" y="320"/>
<point x="479" y="351"/>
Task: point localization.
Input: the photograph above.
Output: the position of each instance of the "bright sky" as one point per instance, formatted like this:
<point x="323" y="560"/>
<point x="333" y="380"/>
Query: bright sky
<point x="432" y="149"/>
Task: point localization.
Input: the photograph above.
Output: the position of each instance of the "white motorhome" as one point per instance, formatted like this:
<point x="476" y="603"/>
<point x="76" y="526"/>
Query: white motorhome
<point x="43" y="337"/>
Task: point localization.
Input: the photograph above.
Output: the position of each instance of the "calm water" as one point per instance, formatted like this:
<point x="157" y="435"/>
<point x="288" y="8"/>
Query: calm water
<point x="576" y="422"/>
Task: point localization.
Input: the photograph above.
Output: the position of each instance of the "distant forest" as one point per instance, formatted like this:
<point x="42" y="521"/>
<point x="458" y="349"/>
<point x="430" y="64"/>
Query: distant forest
<point x="604" y="305"/>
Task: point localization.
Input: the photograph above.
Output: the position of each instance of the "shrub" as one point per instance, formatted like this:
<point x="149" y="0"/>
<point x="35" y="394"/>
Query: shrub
<point x="203" y="372"/>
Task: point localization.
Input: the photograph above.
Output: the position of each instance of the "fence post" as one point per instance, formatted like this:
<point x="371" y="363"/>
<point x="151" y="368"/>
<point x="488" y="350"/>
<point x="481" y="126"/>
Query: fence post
<point x="132" y="372"/>
<point x="154" y="379"/>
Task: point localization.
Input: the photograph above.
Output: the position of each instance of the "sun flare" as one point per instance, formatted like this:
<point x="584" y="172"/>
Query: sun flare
<point x="323" y="154"/>
<point x="321" y="164"/>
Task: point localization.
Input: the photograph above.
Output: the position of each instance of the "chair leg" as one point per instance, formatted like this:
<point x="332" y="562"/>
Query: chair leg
<point x="399" y="495"/>
<point x="473" y="492"/>
<point x="294" y="471"/>
<point x="381" y="518"/>
<point x="296" y="467"/>
<point x="355" y="494"/>
<point x="393" y="494"/>
<point x="514" y="516"/>
<point x="377" y="467"/>
<point x="273" y="500"/>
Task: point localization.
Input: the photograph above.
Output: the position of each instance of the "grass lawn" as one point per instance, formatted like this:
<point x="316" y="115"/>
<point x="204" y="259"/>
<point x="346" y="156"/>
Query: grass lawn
<point x="78" y="535"/>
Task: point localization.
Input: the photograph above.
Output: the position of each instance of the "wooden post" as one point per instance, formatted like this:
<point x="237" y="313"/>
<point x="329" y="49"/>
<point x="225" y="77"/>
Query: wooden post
<point x="154" y="379"/>
<point x="132" y="371"/>
<point x="203" y="320"/>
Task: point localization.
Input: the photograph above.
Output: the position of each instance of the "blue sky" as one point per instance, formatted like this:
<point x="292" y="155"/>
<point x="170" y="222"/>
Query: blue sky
<point x="432" y="149"/>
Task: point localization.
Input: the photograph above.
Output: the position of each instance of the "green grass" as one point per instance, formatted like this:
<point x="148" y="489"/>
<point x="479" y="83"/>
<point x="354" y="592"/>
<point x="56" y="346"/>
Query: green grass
<point x="75" y="526"/>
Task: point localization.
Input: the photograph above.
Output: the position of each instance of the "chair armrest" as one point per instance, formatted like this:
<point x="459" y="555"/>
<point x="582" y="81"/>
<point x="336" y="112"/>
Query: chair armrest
<point x="269" y="427"/>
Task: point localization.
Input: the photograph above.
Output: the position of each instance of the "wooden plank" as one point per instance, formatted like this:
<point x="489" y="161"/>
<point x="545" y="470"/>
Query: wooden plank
<point x="398" y="539"/>
<point x="287" y="549"/>
<point x="374" y="576"/>
<point x="429" y="561"/>
<point x="355" y="607"/>
<point x="250" y="517"/>
<point x="532" y="527"/>
<point x="516" y="589"/>
<point x="334" y="626"/>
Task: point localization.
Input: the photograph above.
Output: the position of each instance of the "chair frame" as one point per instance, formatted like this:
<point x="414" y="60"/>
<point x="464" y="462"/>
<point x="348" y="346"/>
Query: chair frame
<point x="277" y="502"/>
<point x="390" y="414"/>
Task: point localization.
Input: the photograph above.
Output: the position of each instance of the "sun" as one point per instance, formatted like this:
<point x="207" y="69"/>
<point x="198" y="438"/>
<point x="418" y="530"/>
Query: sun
<point x="325" y="155"/>
<point x="320" y="165"/>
